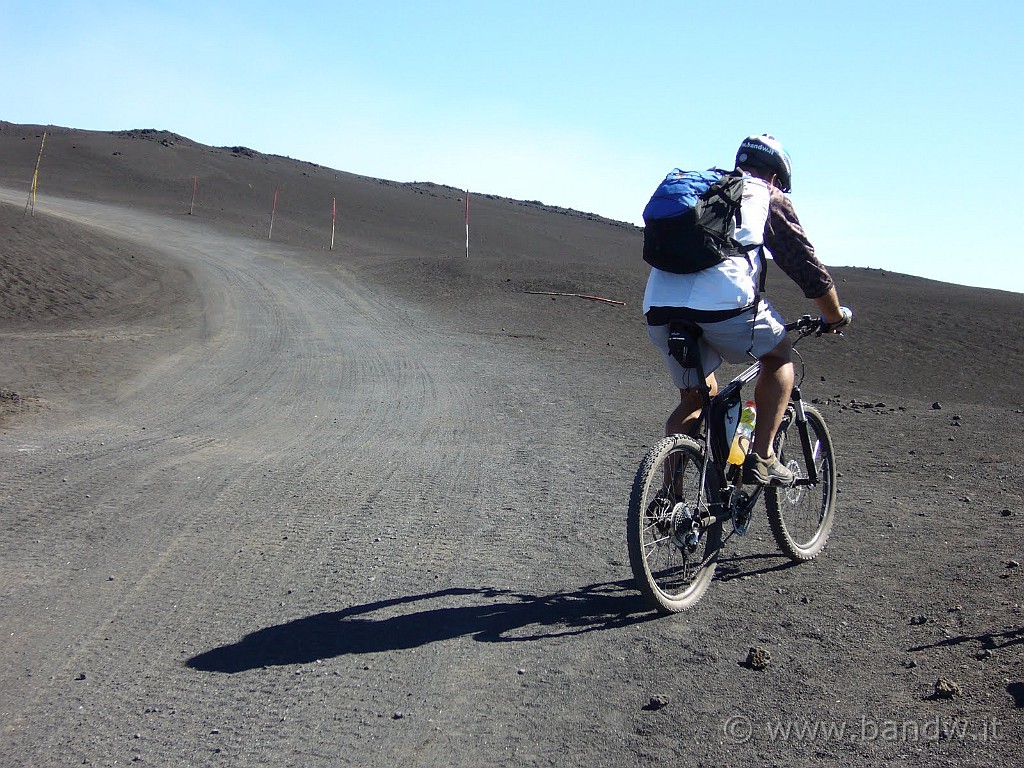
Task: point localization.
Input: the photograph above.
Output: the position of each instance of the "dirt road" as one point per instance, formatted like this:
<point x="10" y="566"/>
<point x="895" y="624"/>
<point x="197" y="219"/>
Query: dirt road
<point x="303" y="518"/>
<point x="317" y="527"/>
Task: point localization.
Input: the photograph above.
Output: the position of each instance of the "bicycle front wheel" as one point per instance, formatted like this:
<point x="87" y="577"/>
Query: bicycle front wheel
<point x="801" y="516"/>
<point x="673" y="539"/>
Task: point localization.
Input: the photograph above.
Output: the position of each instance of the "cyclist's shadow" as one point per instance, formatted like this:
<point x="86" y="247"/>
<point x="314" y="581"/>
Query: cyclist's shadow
<point x="497" y="615"/>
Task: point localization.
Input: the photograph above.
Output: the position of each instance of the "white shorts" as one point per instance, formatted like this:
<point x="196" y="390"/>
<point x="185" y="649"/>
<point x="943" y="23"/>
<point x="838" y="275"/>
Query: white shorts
<point x="740" y="339"/>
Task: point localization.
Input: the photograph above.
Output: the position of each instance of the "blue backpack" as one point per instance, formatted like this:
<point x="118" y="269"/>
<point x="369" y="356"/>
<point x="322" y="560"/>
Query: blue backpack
<point x="691" y="219"/>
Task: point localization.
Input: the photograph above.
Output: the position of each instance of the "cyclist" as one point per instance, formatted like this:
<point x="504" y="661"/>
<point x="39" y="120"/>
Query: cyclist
<point x="737" y="323"/>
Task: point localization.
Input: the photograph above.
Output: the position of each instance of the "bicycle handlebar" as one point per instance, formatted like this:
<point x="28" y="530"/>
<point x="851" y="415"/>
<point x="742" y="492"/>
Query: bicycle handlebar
<point x="818" y="325"/>
<point x="805" y="323"/>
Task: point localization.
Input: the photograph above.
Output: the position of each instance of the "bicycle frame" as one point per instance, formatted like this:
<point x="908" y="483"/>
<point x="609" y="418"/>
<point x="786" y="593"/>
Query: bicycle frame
<point x="686" y="490"/>
<point x="684" y="346"/>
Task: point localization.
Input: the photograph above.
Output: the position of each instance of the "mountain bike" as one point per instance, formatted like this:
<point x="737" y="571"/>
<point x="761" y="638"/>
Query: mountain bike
<point x="686" y="491"/>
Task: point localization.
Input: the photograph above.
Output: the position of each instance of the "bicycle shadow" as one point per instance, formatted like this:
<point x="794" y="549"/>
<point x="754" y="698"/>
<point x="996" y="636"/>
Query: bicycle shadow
<point x="730" y="568"/>
<point x="503" y="616"/>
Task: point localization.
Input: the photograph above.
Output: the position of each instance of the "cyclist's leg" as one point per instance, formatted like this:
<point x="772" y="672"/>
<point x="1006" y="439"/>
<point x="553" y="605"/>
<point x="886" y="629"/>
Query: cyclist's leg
<point x="682" y="420"/>
<point x="759" y="334"/>
<point x="771" y="395"/>
<point x="686" y="379"/>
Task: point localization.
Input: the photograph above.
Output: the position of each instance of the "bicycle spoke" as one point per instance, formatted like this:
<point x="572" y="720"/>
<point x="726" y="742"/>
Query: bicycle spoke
<point x="671" y="567"/>
<point x="800" y="516"/>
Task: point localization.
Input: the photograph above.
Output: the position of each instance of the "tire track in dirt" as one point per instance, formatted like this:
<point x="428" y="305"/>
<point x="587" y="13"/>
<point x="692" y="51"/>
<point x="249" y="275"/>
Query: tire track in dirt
<point x="300" y="404"/>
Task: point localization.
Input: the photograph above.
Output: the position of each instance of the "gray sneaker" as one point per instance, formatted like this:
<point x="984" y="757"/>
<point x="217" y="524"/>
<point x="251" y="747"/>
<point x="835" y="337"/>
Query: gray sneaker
<point x="758" y="471"/>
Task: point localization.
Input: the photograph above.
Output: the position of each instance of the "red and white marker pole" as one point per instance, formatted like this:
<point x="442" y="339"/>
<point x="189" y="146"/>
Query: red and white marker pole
<point x="273" y="211"/>
<point x="30" y="206"/>
<point x="334" y="218"/>
<point x="195" y="183"/>
<point x="467" y="223"/>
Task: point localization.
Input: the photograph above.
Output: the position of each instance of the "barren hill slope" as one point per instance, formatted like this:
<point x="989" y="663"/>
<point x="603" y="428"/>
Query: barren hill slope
<point x="265" y="503"/>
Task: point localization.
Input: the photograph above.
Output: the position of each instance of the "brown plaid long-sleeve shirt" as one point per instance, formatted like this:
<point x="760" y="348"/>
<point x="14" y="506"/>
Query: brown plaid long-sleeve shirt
<point x="791" y="249"/>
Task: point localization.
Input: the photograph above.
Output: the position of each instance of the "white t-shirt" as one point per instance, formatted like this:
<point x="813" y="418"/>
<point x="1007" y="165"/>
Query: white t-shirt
<point x="729" y="285"/>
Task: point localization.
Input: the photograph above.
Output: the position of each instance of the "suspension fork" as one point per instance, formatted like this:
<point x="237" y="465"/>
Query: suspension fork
<point x="805" y="437"/>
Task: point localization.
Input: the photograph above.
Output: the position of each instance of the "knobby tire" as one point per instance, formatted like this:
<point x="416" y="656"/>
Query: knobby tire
<point x="665" y="487"/>
<point x="801" y="516"/>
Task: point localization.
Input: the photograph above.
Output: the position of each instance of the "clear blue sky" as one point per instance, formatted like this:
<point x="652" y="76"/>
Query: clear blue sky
<point x="901" y="116"/>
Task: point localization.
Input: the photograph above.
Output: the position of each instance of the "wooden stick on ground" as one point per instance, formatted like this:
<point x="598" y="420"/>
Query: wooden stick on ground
<point x="579" y="296"/>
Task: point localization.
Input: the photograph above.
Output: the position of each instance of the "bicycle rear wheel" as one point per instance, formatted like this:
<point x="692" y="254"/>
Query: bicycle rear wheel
<point x="801" y="516"/>
<point x="673" y="559"/>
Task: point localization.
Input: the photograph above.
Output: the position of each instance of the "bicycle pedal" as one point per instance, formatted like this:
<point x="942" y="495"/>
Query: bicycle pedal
<point x="740" y="511"/>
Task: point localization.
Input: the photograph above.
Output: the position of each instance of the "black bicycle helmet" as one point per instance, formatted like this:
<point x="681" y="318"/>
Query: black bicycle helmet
<point x="767" y="152"/>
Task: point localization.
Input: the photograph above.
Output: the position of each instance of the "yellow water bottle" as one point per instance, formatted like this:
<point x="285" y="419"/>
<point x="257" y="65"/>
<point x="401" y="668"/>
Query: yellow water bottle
<point x="744" y="434"/>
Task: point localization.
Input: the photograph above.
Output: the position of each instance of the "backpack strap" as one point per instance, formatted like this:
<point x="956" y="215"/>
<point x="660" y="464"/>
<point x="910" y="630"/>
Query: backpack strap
<point x="746" y="249"/>
<point x="737" y="173"/>
<point x="718" y="190"/>
<point x="764" y="267"/>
